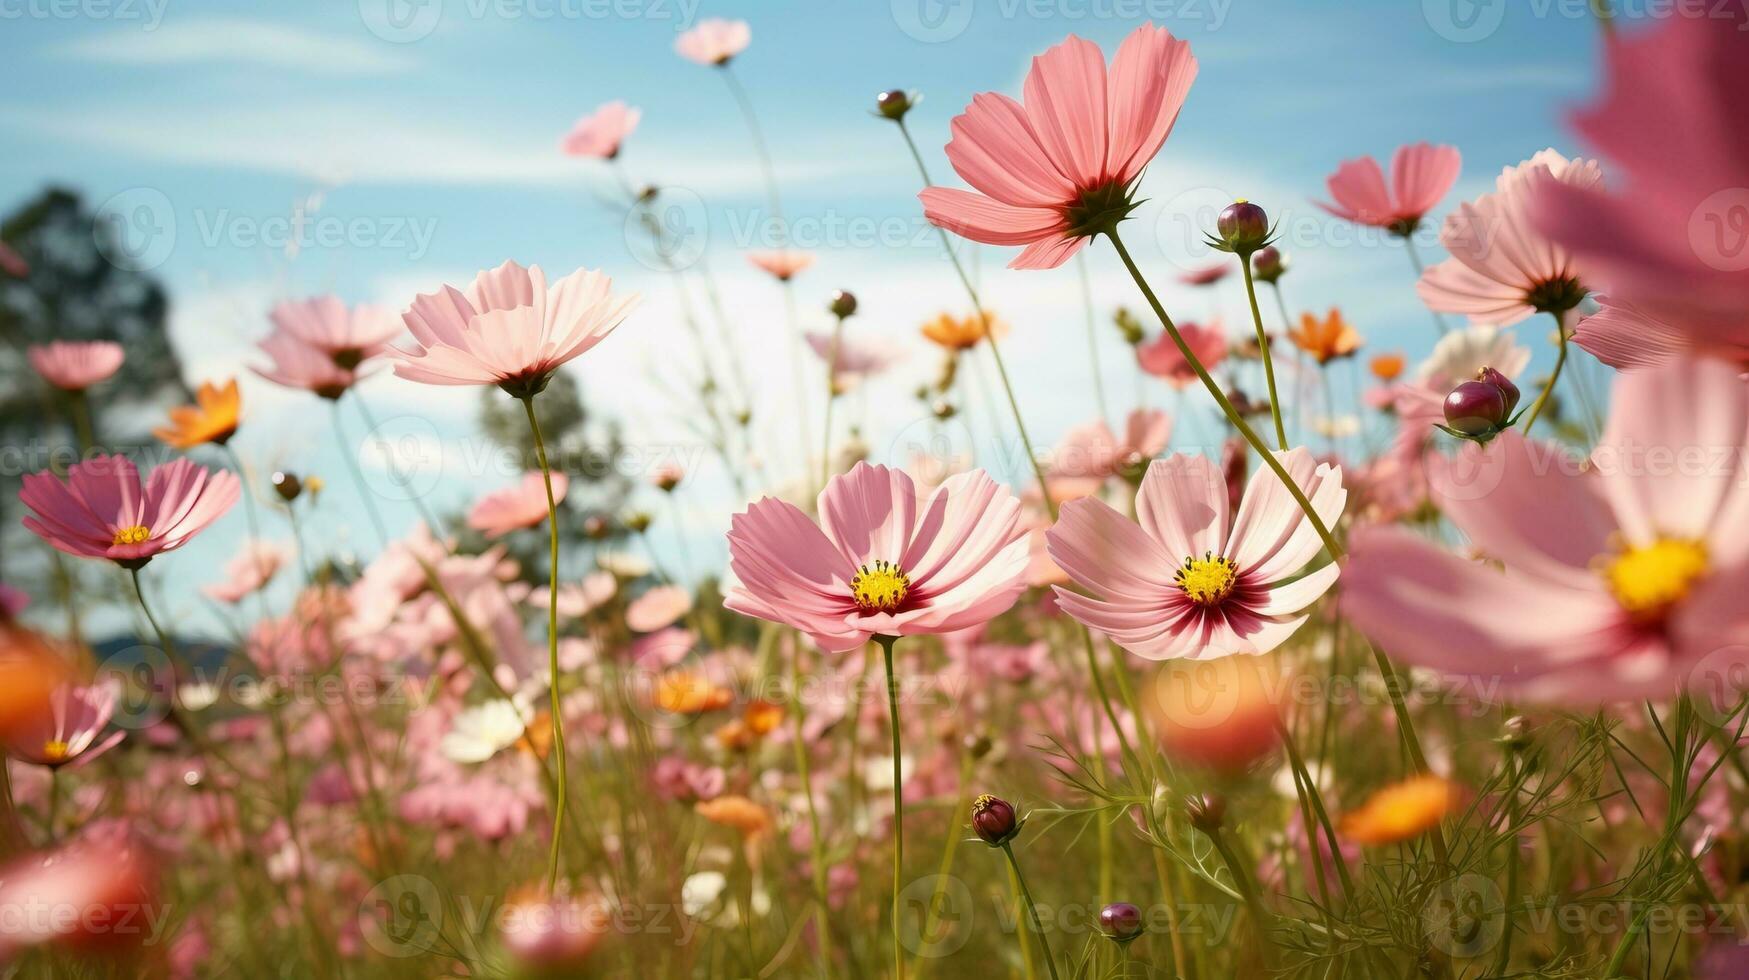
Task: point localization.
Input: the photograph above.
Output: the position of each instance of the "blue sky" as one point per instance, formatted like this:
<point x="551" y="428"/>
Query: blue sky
<point x="419" y="141"/>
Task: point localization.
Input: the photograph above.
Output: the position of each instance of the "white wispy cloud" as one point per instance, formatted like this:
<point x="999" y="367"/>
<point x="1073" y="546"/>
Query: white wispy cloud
<point x="239" y="41"/>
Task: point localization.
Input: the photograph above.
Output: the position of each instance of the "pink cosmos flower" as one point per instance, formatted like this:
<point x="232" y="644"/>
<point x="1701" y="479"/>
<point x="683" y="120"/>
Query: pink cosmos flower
<point x="1421" y="174"/>
<point x="12" y="263"/>
<point x="660" y="607"/>
<point x="1092" y="450"/>
<point x="253" y="567"/>
<point x="516" y="507"/>
<point x="80" y="893"/>
<point x="1675" y="242"/>
<point x="1502" y="269"/>
<point x="782" y="263"/>
<point x="67" y="735"/>
<point x="1626" y="337"/>
<point x="297" y="364"/>
<point x="102" y="512"/>
<point x="347" y="336"/>
<point x="714" y="41"/>
<point x="1623" y="579"/>
<point x="1208" y="275"/>
<point x="577" y="601"/>
<point x="1061" y="168"/>
<point x="509" y="329"/>
<point x="1192" y="581"/>
<point x="1161" y="358"/>
<point x="856" y="358"/>
<point x="883" y="560"/>
<point x="74" y="365"/>
<point x="600" y="133"/>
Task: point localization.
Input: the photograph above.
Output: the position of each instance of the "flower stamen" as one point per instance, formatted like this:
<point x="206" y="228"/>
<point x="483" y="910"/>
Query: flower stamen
<point x="882" y="588"/>
<point x="135" y="534"/>
<point x="1649" y="579"/>
<point x="1209" y="579"/>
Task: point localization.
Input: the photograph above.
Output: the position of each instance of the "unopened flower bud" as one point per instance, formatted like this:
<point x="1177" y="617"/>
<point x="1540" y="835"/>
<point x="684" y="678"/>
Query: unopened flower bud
<point x="1242" y="227"/>
<point x="943" y="409"/>
<point x="1129" y="326"/>
<point x="595" y="527"/>
<point x="1475" y="409"/>
<point x="843" y="303"/>
<point x="668" y="477"/>
<point x="1501" y="381"/>
<point x="287" y="486"/>
<point x="1268" y="264"/>
<point x="994" y="821"/>
<point x="1120" y="921"/>
<point x="1207" y="812"/>
<point x="894" y="103"/>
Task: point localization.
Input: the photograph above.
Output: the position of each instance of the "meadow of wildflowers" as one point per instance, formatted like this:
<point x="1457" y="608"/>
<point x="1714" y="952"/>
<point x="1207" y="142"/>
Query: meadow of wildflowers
<point x="1452" y="687"/>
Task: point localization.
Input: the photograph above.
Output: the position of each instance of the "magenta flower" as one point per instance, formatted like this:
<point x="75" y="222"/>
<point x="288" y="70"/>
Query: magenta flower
<point x="13" y="264"/>
<point x="509" y="329"/>
<point x="516" y="507"/>
<point x="714" y="41"/>
<point x="297" y="364"/>
<point x="1502" y="269"/>
<point x="1161" y="358"/>
<point x="102" y="512"/>
<point x="1061" y="168"/>
<point x="347" y="336"/>
<point x="1421" y="174"/>
<point x="1192" y="581"/>
<point x="67" y="734"/>
<point x="883" y="560"/>
<point x="1672" y="242"/>
<point x="1621" y="580"/>
<point x="74" y="365"/>
<point x="600" y="133"/>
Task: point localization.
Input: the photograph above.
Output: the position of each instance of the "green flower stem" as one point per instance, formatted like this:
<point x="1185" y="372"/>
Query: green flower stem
<point x="1415" y="260"/>
<point x="816" y="845"/>
<point x="1311" y="798"/>
<point x="886" y="643"/>
<point x="561" y="794"/>
<point x="1542" y="399"/>
<point x="1247" y="891"/>
<point x="1031" y="910"/>
<point x="831" y="399"/>
<point x="1263" y="351"/>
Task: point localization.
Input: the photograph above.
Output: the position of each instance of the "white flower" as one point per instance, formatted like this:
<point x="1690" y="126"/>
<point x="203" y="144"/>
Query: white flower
<point x="480" y="732"/>
<point x="700" y="892"/>
<point x="198" y="695"/>
<point x="623" y="563"/>
<point x="1459" y="355"/>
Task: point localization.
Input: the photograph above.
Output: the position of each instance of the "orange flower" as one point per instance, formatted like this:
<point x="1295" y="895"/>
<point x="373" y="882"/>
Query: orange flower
<point x="1222" y="714"/>
<point x="683" y="692"/>
<point x="1401" y="811"/>
<point x="1388" y="367"/>
<point x="963" y="333"/>
<point x="762" y="717"/>
<point x="1326" y="339"/>
<point x="214" y="419"/>
<point x="738" y="812"/>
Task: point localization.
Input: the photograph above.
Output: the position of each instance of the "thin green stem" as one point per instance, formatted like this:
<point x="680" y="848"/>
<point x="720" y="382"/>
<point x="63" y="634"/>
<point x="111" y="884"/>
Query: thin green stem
<point x="1263" y="350"/>
<point x="1542" y="399"/>
<point x="831" y="399"/>
<point x="352" y="468"/>
<point x="1092" y="336"/>
<point x="1031" y="910"/>
<point x="1247" y="891"/>
<point x="1439" y="323"/>
<point x="816" y="846"/>
<point x="886" y="643"/>
<point x="1503" y="959"/>
<point x="554" y="707"/>
<point x="1312" y="799"/>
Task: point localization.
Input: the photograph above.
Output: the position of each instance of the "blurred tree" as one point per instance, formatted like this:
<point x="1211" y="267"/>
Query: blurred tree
<point x="69" y="290"/>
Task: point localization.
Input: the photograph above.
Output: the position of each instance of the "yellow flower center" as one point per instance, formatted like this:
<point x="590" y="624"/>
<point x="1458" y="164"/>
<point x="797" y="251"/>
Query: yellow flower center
<point x="132" y="535"/>
<point x="1649" y="579"/>
<point x="55" y="750"/>
<point x="1209" y="579"/>
<point x="881" y="588"/>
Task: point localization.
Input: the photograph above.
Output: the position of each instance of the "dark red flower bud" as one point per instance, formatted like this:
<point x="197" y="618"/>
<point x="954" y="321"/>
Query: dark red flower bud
<point x="1501" y="381"/>
<point x="1121" y="921"/>
<point x="894" y="103"/>
<point x="1268" y="264"/>
<point x="1475" y="408"/>
<point x="1243" y="227"/>
<point x="843" y="303"/>
<point x="993" y="819"/>
<point x="1207" y="812"/>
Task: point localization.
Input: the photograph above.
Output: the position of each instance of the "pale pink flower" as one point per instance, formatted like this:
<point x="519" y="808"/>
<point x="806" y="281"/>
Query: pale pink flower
<point x="1161" y="358"/>
<point x="1674" y="243"/>
<point x="1092" y="450"/>
<point x="74" y="365"/>
<point x="1626" y="337"/>
<point x="67" y="735"/>
<point x="1502" y="269"/>
<point x="516" y="507"/>
<point x="101" y="511"/>
<point x="1621" y="580"/>
<point x="1061" y="168"/>
<point x="509" y="329"/>
<point x="77" y="894"/>
<point x="600" y="133"/>
<point x="783" y="263"/>
<point x="1207" y="275"/>
<point x="883" y="560"/>
<point x="1421" y="174"/>
<point x="854" y="358"/>
<point x="660" y="607"/>
<point x="714" y="41"/>
<point x="297" y="364"/>
<point x="253" y="567"/>
<point x="349" y="336"/>
<point x="1192" y="581"/>
<point x="577" y="601"/>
